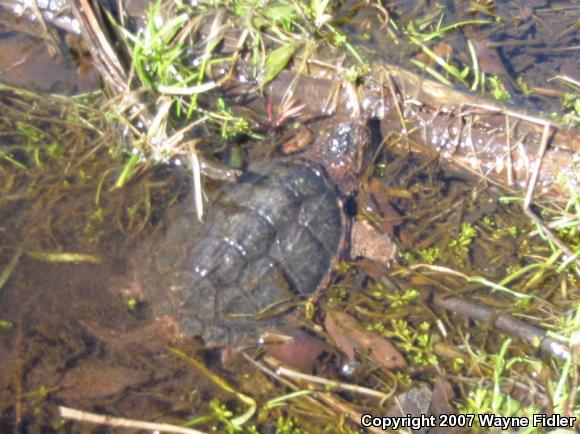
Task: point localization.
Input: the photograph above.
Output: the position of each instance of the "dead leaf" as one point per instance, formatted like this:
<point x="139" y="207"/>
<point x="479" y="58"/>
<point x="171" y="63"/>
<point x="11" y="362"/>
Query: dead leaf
<point x="298" y="142"/>
<point x="441" y="404"/>
<point x="442" y="396"/>
<point x="97" y="379"/>
<point x="382" y="197"/>
<point x="296" y="348"/>
<point x="351" y="337"/>
<point x="371" y="269"/>
<point x="443" y="49"/>
<point x="489" y="59"/>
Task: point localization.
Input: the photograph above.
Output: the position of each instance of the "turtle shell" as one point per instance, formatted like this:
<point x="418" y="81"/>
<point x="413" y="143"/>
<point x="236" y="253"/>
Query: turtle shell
<point x="271" y="241"/>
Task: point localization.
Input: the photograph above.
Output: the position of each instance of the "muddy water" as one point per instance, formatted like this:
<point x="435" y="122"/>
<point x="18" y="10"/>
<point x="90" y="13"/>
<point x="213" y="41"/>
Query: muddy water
<point x="533" y="40"/>
<point x="29" y="62"/>
<point x="72" y="341"/>
<point x="64" y="349"/>
<point x="69" y="339"/>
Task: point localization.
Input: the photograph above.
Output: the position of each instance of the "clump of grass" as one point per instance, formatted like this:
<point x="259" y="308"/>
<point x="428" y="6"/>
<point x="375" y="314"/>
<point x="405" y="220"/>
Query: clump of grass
<point x="422" y="31"/>
<point x="57" y="145"/>
<point x="177" y="55"/>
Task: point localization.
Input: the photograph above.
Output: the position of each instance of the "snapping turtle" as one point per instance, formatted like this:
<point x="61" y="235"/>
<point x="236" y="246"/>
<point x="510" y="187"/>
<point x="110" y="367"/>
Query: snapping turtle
<point x="271" y="241"/>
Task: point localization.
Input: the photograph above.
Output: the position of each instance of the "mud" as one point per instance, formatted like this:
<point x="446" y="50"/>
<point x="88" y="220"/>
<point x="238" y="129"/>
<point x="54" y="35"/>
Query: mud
<point x="65" y="339"/>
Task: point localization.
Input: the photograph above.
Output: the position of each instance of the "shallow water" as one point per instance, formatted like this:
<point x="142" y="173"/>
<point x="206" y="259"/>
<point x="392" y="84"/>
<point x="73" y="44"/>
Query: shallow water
<point x="74" y="342"/>
<point x="71" y="340"/>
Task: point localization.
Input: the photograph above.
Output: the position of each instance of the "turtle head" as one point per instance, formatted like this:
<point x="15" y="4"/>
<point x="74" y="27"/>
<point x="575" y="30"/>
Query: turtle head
<point x="340" y="147"/>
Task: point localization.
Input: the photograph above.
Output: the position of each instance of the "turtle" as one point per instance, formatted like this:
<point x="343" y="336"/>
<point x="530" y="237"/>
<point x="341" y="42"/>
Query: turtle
<point x="271" y="241"/>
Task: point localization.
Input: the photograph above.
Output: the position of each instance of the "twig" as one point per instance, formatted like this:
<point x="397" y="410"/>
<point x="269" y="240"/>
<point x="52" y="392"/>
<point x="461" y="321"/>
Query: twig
<point x="565" y="79"/>
<point x="7" y="271"/>
<point x="506" y="323"/>
<point x="397" y="103"/>
<point x="328" y="399"/>
<point x="440" y="269"/>
<point x="197" y="187"/>
<point x="285" y="372"/>
<point x="537" y="165"/>
<point x="530" y="193"/>
<point x="510" y="176"/>
<point x="83" y="416"/>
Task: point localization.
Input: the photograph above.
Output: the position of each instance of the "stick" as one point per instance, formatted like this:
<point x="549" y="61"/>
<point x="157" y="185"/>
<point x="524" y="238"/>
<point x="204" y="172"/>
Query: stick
<point x="285" y="372"/>
<point x="508" y="324"/>
<point x="83" y="416"/>
<point x="331" y="401"/>
<point x="530" y="193"/>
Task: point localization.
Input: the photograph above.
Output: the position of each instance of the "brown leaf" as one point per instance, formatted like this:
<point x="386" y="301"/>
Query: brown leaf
<point x="442" y="49"/>
<point x="391" y="219"/>
<point x="96" y="379"/>
<point x="382" y="196"/>
<point x="420" y="281"/>
<point x="489" y="60"/>
<point x="296" y="348"/>
<point x="442" y="396"/>
<point x="441" y="404"/>
<point x="351" y="337"/>
<point x="298" y="142"/>
<point x="371" y="269"/>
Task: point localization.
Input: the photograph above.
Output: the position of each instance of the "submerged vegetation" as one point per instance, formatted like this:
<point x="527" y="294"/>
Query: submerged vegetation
<point x="80" y="173"/>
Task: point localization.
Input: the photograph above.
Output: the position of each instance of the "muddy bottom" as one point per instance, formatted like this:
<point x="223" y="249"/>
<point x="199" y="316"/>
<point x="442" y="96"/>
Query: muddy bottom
<point x="61" y="350"/>
<point x="32" y="63"/>
<point x="68" y="336"/>
<point x="73" y="340"/>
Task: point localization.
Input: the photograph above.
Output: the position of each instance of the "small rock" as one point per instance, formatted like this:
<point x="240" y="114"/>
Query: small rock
<point x="367" y="242"/>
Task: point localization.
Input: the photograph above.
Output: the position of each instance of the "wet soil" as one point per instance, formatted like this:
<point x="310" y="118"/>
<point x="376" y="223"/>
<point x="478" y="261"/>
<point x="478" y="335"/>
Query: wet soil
<point x="65" y="342"/>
